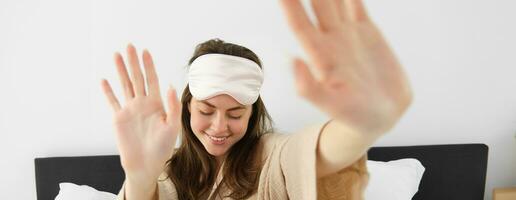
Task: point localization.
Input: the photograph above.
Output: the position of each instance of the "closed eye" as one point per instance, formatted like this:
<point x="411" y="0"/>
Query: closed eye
<point x="207" y="114"/>
<point x="235" y="117"/>
<point x="203" y="113"/>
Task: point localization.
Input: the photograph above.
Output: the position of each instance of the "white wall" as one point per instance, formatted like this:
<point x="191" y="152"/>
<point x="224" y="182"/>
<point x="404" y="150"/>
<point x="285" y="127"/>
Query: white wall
<point x="459" y="56"/>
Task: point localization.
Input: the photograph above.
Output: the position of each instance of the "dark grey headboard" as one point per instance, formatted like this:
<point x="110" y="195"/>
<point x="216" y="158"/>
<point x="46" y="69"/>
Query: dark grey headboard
<point x="452" y="172"/>
<point x="104" y="173"/>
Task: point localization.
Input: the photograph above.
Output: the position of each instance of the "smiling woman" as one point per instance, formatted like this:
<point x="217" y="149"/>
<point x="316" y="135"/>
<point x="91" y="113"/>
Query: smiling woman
<point x="218" y="130"/>
<point x="229" y="149"/>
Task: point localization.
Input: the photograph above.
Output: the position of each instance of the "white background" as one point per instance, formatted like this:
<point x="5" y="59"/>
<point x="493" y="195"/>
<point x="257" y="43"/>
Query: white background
<point x="458" y="56"/>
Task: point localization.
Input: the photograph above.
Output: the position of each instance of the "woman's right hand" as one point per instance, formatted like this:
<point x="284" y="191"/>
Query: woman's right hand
<point x="145" y="133"/>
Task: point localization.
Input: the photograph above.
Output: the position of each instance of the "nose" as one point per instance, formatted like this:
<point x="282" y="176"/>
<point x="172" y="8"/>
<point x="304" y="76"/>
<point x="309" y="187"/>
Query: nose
<point x="219" y="124"/>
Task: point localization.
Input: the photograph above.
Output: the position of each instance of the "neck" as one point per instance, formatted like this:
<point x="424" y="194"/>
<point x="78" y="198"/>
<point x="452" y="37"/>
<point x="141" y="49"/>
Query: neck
<point x="220" y="161"/>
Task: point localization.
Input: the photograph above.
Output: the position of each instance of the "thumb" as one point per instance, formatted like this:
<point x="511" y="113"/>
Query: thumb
<point x="307" y="86"/>
<point x="174" y="106"/>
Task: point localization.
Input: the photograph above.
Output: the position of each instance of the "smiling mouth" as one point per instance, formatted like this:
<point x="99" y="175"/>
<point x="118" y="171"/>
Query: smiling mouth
<point x="218" y="139"/>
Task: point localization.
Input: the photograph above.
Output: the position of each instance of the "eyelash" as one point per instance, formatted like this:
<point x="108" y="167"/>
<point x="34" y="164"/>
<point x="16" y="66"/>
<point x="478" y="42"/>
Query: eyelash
<point x="203" y="113"/>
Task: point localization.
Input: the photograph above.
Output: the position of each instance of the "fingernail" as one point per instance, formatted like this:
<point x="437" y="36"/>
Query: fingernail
<point x="130" y="46"/>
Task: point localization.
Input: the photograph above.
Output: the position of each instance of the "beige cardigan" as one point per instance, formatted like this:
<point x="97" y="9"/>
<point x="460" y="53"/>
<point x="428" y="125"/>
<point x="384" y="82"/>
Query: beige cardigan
<point x="289" y="171"/>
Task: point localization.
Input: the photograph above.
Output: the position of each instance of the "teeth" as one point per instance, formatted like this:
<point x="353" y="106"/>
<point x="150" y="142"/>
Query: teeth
<point x="217" y="138"/>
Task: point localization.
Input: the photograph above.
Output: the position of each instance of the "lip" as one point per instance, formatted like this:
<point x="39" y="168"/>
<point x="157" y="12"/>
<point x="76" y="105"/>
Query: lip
<point x="219" y="136"/>
<point x="216" y="142"/>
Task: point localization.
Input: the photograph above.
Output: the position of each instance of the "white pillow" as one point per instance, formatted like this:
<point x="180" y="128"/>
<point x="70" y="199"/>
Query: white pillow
<point x="70" y="191"/>
<point x="393" y="180"/>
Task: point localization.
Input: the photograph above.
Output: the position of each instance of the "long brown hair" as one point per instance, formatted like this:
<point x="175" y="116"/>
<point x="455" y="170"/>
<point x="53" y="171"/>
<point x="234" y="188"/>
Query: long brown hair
<point x="192" y="168"/>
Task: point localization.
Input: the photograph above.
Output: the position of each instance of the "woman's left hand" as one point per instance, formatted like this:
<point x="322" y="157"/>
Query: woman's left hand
<point x="360" y="80"/>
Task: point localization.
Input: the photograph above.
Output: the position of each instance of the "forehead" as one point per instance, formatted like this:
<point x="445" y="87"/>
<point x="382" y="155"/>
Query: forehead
<point x="223" y="101"/>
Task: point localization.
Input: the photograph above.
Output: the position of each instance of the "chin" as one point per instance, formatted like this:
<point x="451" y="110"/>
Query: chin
<point x="216" y="153"/>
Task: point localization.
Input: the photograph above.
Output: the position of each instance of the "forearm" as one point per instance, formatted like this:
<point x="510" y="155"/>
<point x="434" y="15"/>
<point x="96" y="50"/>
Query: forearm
<point x="340" y="146"/>
<point x="144" y="190"/>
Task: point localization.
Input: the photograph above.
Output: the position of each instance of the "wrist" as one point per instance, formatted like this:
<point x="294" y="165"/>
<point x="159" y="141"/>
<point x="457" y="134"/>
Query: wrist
<point x="140" y="189"/>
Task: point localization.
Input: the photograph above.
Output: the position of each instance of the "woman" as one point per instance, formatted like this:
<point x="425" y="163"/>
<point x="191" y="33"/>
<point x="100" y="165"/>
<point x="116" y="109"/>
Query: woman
<point x="225" y="152"/>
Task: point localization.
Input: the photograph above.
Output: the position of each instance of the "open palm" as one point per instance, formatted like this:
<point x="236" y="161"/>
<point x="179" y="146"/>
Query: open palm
<point x="146" y="134"/>
<point x="359" y="80"/>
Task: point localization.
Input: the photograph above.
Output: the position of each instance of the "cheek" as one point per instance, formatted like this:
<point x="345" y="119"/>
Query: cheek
<point x="238" y="127"/>
<point x="199" y="122"/>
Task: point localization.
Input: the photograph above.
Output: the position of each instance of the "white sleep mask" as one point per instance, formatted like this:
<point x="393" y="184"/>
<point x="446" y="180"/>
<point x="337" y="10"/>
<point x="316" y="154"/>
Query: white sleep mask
<point x="213" y="74"/>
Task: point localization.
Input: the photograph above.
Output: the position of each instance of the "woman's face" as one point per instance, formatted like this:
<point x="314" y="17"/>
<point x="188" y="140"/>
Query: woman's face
<point x="219" y="122"/>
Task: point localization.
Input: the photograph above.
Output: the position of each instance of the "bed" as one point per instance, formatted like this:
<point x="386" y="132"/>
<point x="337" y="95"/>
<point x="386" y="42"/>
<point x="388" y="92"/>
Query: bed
<point x="453" y="171"/>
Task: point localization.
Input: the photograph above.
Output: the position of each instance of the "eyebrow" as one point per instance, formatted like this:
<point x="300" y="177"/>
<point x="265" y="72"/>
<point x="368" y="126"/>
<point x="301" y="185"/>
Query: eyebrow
<point x="234" y="108"/>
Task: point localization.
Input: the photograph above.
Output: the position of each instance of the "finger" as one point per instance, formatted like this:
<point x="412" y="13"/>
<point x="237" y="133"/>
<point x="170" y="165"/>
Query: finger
<point x="342" y="10"/>
<point x="326" y="13"/>
<point x="174" y="107"/>
<point x="150" y="73"/>
<point x="298" y="20"/>
<point x="307" y="86"/>
<point x="352" y="10"/>
<point x="106" y="88"/>
<point x="127" y="86"/>
<point x="136" y="73"/>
